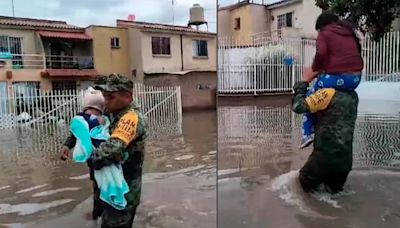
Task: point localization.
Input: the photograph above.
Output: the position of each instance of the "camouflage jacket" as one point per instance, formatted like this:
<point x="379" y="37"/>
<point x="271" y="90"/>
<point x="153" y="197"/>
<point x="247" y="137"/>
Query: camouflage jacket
<point x="336" y="114"/>
<point x="128" y="132"/>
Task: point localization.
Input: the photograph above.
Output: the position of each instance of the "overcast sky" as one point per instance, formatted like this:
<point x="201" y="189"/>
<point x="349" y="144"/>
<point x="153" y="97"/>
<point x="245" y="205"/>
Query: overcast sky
<point x="228" y="2"/>
<point x="105" y="12"/>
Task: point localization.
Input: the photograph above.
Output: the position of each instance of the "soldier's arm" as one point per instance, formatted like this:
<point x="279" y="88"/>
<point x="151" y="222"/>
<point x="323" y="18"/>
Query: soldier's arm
<point x="317" y="101"/>
<point x="70" y="142"/>
<point x="112" y="150"/>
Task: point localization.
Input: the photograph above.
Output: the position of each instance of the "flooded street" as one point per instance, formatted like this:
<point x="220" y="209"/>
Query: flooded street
<point x="259" y="159"/>
<point x="37" y="189"/>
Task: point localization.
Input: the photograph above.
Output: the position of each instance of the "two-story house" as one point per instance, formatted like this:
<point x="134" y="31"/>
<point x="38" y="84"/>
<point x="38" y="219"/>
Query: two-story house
<point x="165" y="49"/>
<point x="171" y="55"/>
<point x="53" y="55"/>
<point x="285" y="18"/>
<point x="45" y="54"/>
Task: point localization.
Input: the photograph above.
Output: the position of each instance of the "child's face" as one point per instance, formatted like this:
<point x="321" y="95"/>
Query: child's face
<point x="92" y="111"/>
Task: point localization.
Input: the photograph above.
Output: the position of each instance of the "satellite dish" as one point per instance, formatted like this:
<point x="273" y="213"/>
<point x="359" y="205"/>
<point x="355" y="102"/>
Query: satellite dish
<point x="131" y="17"/>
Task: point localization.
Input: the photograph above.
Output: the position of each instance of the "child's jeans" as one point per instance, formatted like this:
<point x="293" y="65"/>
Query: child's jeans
<point x="339" y="82"/>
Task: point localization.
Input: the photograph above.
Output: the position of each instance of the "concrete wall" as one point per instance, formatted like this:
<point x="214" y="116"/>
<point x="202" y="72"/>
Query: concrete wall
<point x="192" y="96"/>
<point x="106" y="59"/>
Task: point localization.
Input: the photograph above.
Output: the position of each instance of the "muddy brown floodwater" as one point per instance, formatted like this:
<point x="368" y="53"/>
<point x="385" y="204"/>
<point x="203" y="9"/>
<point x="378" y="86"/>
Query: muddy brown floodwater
<point x="259" y="159"/>
<point x="179" y="182"/>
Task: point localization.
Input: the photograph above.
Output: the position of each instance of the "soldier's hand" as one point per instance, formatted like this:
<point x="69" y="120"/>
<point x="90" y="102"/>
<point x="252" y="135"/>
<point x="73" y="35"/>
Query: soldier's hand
<point x="309" y="74"/>
<point x="64" y="153"/>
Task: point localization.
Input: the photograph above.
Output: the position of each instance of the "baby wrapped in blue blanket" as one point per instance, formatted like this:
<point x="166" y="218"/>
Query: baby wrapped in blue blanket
<point x="90" y="129"/>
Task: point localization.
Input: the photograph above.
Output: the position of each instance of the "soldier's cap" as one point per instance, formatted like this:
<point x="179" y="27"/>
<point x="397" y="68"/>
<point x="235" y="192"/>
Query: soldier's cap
<point x="113" y="83"/>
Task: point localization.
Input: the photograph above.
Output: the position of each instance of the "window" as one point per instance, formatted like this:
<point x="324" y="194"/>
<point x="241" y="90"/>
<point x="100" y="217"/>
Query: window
<point x="200" y="48"/>
<point x="285" y="20"/>
<point x="115" y="42"/>
<point x="237" y="23"/>
<point x="64" y="85"/>
<point x="161" y="45"/>
<point x="12" y="45"/>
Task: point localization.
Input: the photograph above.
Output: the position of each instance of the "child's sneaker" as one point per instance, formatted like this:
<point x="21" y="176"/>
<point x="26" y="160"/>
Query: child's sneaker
<point x="306" y="141"/>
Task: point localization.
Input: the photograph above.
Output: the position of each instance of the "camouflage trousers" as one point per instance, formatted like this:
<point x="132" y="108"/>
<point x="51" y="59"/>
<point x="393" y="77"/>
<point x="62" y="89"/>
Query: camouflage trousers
<point x="316" y="172"/>
<point x="113" y="218"/>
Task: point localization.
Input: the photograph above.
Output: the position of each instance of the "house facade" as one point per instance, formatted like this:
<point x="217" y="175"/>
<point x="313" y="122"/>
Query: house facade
<point x="164" y="49"/>
<point x="169" y="55"/>
<point x="45" y="54"/>
<point x="110" y="49"/>
<point x="286" y="18"/>
<point x="53" y="55"/>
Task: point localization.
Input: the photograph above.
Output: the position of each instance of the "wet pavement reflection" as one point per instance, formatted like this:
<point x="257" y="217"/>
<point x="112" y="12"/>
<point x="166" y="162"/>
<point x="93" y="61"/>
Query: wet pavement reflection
<point x="179" y="183"/>
<point x="259" y="159"/>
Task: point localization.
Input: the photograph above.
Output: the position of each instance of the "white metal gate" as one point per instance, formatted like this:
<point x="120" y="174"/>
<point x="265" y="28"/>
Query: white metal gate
<point x="263" y="65"/>
<point x="260" y="64"/>
<point x="23" y="106"/>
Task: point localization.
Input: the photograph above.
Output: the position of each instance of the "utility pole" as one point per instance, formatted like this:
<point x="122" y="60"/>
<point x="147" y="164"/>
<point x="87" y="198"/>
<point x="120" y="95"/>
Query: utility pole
<point x="173" y="13"/>
<point x="13" y="10"/>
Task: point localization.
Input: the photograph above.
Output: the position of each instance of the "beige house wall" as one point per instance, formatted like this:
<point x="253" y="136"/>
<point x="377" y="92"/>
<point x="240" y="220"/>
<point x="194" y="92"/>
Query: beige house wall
<point x="108" y="60"/>
<point x="305" y="14"/>
<point x="191" y="62"/>
<point x="135" y="50"/>
<point x="161" y="63"/>
<point x="257" y="19"/>
<point x="28" y="75"/>
<point x="261" y="19"/>
<point x="193" y="97"/>
<point x="146" y="63"/>
<point x="30" y="42"/>
<point x="224" y="24"/>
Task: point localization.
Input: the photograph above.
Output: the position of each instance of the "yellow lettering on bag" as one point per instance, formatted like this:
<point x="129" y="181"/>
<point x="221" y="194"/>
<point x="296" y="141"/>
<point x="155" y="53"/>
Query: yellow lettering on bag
<point x="126" y="128"/>
<point x="320" y="100"/>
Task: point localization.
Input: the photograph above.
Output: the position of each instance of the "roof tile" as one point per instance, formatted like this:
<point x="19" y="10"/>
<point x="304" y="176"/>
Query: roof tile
<point x="156" y="26"/>
<point x="28" y="22"/>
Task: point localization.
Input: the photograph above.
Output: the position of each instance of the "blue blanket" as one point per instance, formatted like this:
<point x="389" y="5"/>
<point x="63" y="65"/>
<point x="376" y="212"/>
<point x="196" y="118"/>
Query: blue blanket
<point x="110" y="179"/>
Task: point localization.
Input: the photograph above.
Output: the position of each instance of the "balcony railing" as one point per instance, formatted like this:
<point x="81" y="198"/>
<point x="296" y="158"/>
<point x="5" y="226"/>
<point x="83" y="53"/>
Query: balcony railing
<point x="23" y="61"/>
<point x="69" y="62"/>
<point x="37" y="61"/>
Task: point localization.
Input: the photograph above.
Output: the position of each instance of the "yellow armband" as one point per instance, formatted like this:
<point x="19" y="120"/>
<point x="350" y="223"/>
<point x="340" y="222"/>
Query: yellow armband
<point x="126" y="128"/>
<point x="320" y="100"/>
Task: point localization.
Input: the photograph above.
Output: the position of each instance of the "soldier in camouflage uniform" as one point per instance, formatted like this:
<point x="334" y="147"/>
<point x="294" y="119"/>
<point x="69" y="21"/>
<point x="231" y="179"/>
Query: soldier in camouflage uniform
<point x="332" y="157"/>
<point x="126" y="144"/>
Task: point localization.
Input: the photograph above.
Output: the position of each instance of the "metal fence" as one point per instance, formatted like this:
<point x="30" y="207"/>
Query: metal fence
<point x="52" y="110"/>
<point x="251" y="137"/>
<point x="260" y="64"/>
